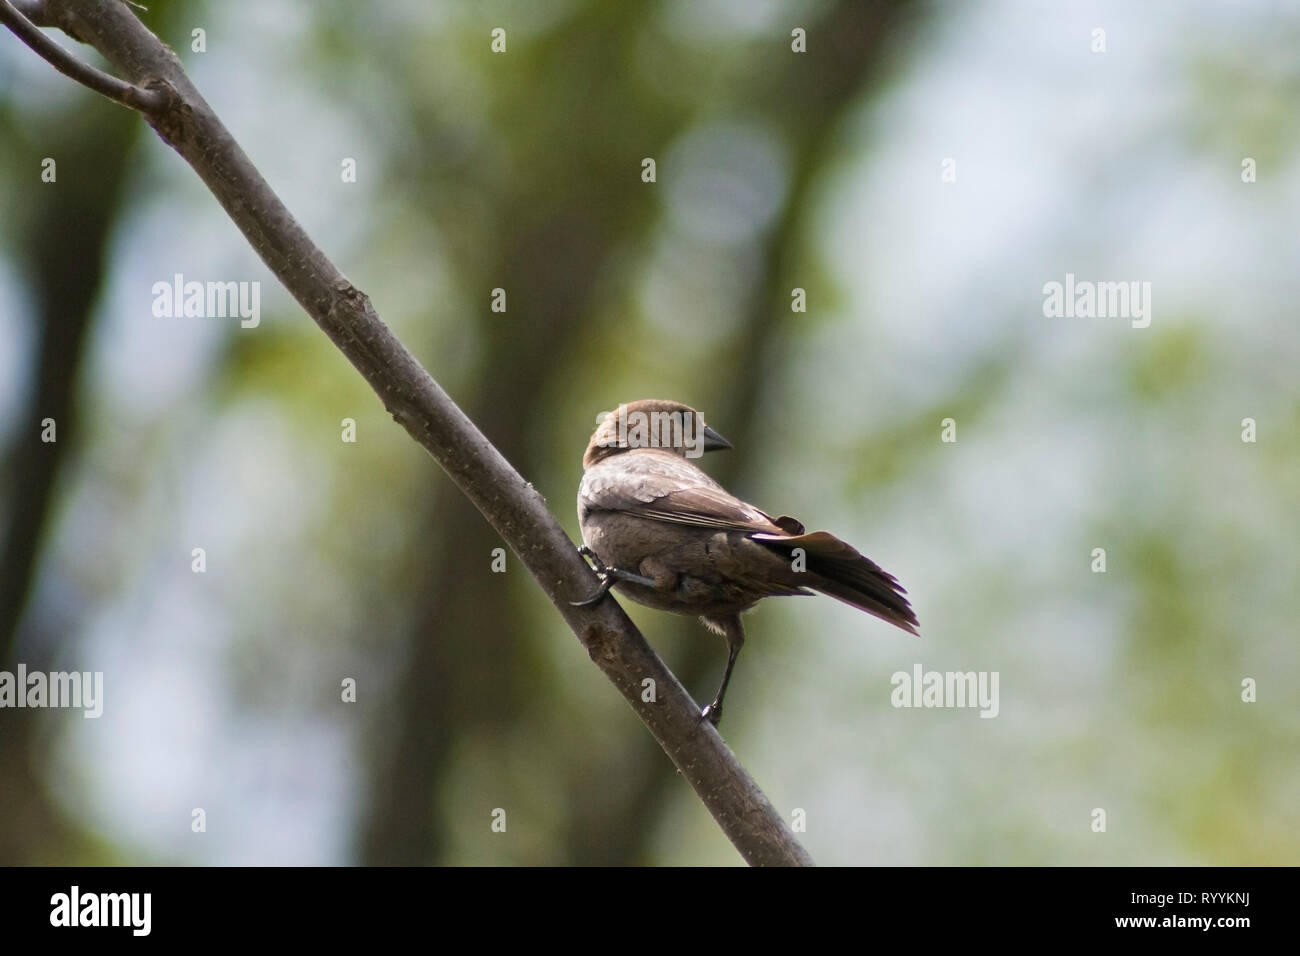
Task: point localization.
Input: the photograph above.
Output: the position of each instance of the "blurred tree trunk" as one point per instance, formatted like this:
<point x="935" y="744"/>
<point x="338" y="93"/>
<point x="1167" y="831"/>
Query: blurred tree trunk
<point x="66" y="248"/>
<point x="465" y="660"/>
<point x="66" y="233"/>
<point x="464" y="668"/>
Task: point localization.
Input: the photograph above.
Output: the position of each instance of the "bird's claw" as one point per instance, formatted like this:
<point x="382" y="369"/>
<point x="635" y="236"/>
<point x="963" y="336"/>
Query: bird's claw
<point x="608" y="578"/>
<point x="712" y="713"/>
<point x="606" y="582"/>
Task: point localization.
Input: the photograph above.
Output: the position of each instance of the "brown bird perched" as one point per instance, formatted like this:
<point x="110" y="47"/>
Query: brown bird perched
<point x="670" y="537"/>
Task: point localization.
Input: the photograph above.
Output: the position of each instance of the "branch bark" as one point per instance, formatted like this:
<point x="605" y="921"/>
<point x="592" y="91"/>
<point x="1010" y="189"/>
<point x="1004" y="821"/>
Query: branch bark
<point x="180" y="115"/>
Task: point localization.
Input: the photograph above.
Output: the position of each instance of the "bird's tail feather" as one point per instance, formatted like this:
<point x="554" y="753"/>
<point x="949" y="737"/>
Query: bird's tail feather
<point x="840" y="571"/>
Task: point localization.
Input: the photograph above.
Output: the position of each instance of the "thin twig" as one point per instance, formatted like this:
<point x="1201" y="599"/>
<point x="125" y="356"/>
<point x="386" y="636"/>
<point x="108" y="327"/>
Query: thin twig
<point x="149" y="101"/>
<point x="418" y="403"/>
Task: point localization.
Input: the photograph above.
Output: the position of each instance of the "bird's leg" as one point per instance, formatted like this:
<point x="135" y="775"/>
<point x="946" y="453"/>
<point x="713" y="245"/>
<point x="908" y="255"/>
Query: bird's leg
<point x="608" y="578"/>
<point x="734" y="632"/>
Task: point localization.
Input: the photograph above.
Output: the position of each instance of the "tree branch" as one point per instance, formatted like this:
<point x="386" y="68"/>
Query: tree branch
<point x="144" y="100"/>
<point x="518" y="513"/>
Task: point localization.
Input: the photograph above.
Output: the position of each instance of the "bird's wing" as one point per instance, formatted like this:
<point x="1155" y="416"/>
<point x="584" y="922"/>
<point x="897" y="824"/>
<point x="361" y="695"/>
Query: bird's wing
<point x="666" y="487"/>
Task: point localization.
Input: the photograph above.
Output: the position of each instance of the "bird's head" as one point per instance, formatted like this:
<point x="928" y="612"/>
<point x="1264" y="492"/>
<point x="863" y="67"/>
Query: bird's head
<point x="652" y="423"/>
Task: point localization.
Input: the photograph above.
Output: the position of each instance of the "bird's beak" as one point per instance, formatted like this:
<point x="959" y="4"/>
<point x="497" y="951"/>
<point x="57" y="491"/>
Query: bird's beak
<point x="713" y="441"/>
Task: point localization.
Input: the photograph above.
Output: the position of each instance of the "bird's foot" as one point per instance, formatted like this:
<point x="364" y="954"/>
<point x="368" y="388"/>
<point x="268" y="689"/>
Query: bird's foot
<point x="608" y="578"/>
<point x="605" y="584"/>
<point x="712" y="713"/>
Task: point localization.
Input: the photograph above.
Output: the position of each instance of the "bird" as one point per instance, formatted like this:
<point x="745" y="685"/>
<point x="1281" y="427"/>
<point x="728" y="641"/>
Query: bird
<point x="657" y="528"/>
